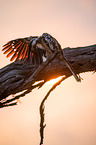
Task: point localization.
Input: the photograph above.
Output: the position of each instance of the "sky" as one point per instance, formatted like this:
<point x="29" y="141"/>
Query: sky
<point x="70" y="111"/>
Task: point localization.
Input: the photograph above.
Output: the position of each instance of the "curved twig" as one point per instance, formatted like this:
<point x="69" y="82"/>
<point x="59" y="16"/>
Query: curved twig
<point x="42" y="125"/>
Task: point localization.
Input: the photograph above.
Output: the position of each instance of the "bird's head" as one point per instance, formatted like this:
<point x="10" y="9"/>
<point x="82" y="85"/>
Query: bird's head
<point x="51" y="42"/>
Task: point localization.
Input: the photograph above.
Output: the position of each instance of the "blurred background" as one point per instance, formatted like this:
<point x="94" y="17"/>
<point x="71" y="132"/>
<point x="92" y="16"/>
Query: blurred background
<point x="70" y="110"/>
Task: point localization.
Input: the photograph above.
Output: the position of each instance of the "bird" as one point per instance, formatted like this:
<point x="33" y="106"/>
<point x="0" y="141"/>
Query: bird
<point x="36" y="49"/>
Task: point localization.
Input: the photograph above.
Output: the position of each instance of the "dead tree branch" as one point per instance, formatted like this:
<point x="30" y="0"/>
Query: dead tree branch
<point x="15" y="75"/>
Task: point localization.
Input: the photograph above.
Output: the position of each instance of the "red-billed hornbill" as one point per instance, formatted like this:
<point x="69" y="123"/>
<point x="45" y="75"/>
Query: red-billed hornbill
<point x="35" y="49"/>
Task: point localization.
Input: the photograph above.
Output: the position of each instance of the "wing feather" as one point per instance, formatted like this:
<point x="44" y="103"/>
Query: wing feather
<point x="17" y="52"/>
<point x="21" y="52"/>
<point x="6" y="47"/>
<point x="21" y="48"/>
<point x="10" y="53"/>
<point x="26" y="52"/>
<point x="15" y="48"/>
<point x="9" y="49"/>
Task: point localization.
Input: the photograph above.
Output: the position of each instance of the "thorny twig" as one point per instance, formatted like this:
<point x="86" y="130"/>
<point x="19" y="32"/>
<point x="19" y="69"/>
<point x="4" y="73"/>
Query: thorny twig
<point x="42" y="126"/>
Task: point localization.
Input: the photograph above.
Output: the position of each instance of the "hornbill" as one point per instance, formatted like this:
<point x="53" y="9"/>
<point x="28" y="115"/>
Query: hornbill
<point x="35" y="49"/>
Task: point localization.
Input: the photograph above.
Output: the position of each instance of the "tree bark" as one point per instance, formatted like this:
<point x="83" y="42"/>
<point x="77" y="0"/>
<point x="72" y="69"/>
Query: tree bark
<point x="14" y="75"/>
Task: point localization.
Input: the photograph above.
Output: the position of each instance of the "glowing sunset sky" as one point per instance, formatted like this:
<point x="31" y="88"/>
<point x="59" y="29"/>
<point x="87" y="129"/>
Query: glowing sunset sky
<point x="71" y="108"/>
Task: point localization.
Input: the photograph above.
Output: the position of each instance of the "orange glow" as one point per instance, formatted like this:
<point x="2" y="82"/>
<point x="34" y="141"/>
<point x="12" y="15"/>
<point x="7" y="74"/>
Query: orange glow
<point x="53" y="81"/>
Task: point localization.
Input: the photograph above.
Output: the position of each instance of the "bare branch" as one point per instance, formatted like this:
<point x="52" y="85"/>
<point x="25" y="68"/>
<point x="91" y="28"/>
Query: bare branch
<point x="15" y="75"/>
<point x="42" y="126"/>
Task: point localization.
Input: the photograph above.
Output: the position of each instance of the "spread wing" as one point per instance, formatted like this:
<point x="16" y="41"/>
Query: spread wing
<point x="21" y="49"/>
<point x="18" y="48"/>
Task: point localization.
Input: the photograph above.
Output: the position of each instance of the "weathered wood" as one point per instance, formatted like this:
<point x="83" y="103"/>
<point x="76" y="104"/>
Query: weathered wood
<point x="14" y="75"/>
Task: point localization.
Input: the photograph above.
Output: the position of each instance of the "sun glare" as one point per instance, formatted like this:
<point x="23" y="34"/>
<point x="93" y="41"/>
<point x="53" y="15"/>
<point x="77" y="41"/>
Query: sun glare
<point x="53" y="81"/>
